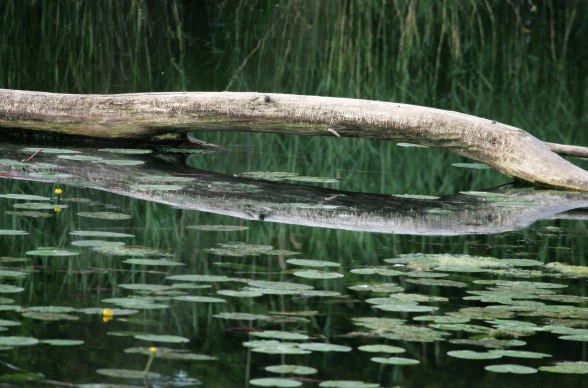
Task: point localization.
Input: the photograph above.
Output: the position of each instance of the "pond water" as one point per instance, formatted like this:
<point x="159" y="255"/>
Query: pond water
<point x="93" y="278"/>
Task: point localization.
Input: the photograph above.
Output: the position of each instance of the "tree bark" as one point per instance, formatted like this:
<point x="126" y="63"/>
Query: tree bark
<point x="507" y="149"/>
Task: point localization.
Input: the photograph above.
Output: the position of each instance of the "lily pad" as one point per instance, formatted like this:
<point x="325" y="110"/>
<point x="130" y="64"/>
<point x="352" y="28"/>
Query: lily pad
<point x="240" y="293"/>
<point x="568" y="367"/>
<point x="522" y="354"/>
<point x="437" y="282"/>
<point x="171" y="354"/>
<point x="316" y="274"/>
<point x="282" y="348"/>
<point x="5" y="273"/>
<point x="80" y="158"/>
<point x="98" y="233"/>
<point x="8" y="323"/>
<point x="395" y="360"/>
<point x="145" y="287"/>
<point x="242" y="316"/>
<point x="154" y="262"/>
<point x="50" y="150"/>
<point x="312" y="263"/>
<point x="49" y="316"/>
<point x="128" y="374"/>
<point x="8" y="289"/>
<point x="13" y="232"/>
<point x="96" y="243"/>
<point x="121" y="162"/>
<point x="280" y="335"/>
<point x="105" y="215"/>
<point x="239" y="249"/>
<point x="381" y="349"/>
<point x="126" y="151"/>
<point x="43" y="251"/>
<point x="124" y="250"/>
<point x="18" y="341"/>
<point x="62" y="342"/>
<point x="291" y="369"/>
<point x="171" y="339"/>
<point x="471" y="355"/>
<point x="38" y="206"/>
<point x="324" y="347"/>
<point x="135" y="303"/>
<point x="274" y="382"/>
<point x="199" y="299"/>
<point x="200" y="278"/>
<point x="511" y="368"/>
<point x="29" y="213"/>
<point x="25" y="197"/>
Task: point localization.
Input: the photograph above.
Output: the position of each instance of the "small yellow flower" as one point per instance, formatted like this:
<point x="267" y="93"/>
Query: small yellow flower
<point x="153" y="349"/>
<point x="107" y="313"/>
<point x="58" y="191"/>
<point x="106" y="318"/>
<point x="57" y="210"/>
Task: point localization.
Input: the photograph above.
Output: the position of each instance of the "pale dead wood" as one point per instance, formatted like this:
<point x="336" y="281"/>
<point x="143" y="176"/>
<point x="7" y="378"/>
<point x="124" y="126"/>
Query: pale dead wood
<point x="507" y="149"/>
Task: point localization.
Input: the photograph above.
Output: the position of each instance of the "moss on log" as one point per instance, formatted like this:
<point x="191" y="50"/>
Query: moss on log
<point x="507" y="149"/>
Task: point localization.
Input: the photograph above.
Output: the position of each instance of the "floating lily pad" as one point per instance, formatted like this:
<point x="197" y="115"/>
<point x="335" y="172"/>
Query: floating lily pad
<point x="51" y="309"/>
<point x="43" y="251"/>
<point x="96" y="243"/>
<point x="62" y="342"/>
<point x="97" y="233"/>
<point x="100" y="311"/>
<point x="200" y="278"/>
<point x="511" y="368"/>
<point x="240" y="293"/>
<point x="5" y="273"/>
<point x="239" y="249"/>
<point x="437" y="282"/>
<point x="274" y="382"/>
<point x="381" y="349"/>
<point x="135" y="303"/>
<point x="218" y="228"/>
<point x="125" y="250"/>
<point x="316" y="274"/>
<point x="121" y="162"/>
<point x="416" y="196"/>
<point x="171" y="354"/>
<point x="38" y="206"/>
<point x="8" y="289"/>
<point x="282" y="348"/>
<point x="312" y="263"/>
<point x="9" y="323"/>
<point x="578" y="337"/>
<point x="199" y="299"/>
<point x="22" y="378"/>
<point x="280" y="335"/>
<point x="475" y="166"/>
<point x="405" y="308"/>
<point x="377" y="287"/>
<point x="80" y="158"/>
<point x="242" y="316"/>
<point x="323" y="347"/>
<point x="376" y="270"/>
<point x="269" y="285"/>
<point x="13" y="232"/>
<point x="522" y="354"/>
<point x="156" y="187"/>
<point x="25" y="197"/>
<point x="17" y="341"/>
<point x="573" y="271"/>
<point x="49" y="316"/>
<point x="105" y="215"/>
<point x="291" y="369"/>
<point x="50" y="150"/>
<point x="29" y="213"/>
<point x="395" y="360"/>
<point x="471" y="355"/>
<point x="128" y="374"/>
<point x="126" y="151"/>
<point x="171" y="339"/>
<point x="145" y="287"/>
<point x="47" y="175"/>
<point x="489" y="342"/>
<point x="568" y="367"/>
<point x="154" y="262"/>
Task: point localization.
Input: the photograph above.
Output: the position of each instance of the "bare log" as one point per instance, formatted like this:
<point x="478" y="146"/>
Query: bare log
<point x="507" y="149"/>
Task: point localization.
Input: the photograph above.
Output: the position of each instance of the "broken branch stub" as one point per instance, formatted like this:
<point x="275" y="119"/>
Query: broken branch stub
<point x="507" y="149"/>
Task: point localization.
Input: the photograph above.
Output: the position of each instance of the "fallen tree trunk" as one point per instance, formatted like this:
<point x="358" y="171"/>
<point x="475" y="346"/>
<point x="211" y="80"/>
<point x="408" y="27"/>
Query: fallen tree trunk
<point x="507" y="149"/>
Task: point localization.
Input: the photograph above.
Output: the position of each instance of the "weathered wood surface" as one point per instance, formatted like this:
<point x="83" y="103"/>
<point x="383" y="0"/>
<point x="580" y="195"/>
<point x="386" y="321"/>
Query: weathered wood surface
<point x="507" y="209"/>
<point x="507" y="149"/>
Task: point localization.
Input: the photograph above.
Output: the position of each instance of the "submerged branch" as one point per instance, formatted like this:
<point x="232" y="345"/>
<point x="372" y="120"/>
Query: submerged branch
<point x="507" y="149"/>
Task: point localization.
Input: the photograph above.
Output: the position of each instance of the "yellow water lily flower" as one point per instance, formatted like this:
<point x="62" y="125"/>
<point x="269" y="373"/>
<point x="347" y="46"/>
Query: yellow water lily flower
<point x="58" y="191"/>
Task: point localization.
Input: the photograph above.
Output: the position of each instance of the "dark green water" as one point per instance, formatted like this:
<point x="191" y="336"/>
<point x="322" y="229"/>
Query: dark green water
<point x="520" y="63"/>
